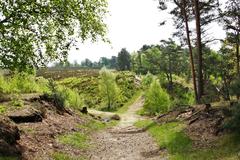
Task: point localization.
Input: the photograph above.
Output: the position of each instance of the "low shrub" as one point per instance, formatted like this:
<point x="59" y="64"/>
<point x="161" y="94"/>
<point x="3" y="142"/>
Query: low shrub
<point x="157" y="99"/>
<point x="65" y="97"/>
<point x="234" y="120"/>
<point x="147" y="80"/>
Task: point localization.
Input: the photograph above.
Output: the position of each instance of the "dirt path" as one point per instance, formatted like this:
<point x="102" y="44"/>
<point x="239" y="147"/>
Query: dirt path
<point x="125" y="142"/>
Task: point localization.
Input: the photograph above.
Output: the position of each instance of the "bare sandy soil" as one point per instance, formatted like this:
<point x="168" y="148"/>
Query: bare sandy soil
<point x="125" y="142"/>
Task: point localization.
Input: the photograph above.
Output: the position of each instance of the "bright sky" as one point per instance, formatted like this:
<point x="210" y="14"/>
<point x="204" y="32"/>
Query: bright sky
<point x="131" y="24"/>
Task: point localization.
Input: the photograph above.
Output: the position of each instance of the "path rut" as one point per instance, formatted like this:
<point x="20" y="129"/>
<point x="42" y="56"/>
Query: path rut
<point x="124" y="141"/>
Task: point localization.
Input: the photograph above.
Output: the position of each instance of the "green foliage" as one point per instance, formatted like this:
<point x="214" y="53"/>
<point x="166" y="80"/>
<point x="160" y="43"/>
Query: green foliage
<point x="86" y="86"/>
<point x="64" y="156"/>
<point x="86" y="83"/>
<point x="169" y="136"/>
<point x="65" y="97"/>
<point x="126" y="82"/>
<point x="76" y="139"/>
<point x="147" y="80"/>
<point x="234" y="121"/>
<point x="124" y="60"/>
<point x="23" y="83"/>
<point x="32" y="33"/>
<point x="17" y="102"/>
<point x="234" y="87"/>
<point x="108" y="88"/>
<point x="182" y="96"/>
<point x="157" y="99"/>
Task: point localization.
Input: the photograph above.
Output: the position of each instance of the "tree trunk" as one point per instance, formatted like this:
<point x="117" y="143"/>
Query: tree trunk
<point x="140" y="62"/>
<point x="190" y="50"/>
<point x="237" y="54"/>
<point x="199" y="50"/>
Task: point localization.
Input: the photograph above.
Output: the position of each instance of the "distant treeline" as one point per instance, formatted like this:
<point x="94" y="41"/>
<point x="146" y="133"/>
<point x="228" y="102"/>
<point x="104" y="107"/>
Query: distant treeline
<point x="120" y="62"/>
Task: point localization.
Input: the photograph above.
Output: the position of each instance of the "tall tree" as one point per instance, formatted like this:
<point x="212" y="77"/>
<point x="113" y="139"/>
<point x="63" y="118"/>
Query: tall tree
<point x="231" y="19"/>
<point x="203" y="13"/>
<point x="184" y="15"/>
<point x="124" y="60"/>
<point x="199" y="48"/>
<point x="108" y="88"/>
<point x="32" y="33"/>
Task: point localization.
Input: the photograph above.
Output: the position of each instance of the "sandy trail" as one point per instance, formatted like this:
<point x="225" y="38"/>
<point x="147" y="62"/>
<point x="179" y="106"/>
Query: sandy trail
<point x="125" y="142"/>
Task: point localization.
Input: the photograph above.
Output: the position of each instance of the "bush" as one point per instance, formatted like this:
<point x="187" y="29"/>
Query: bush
<point x="182" y="96"/>
<point x="23" y="83"/>
<point x="65" y="97"/>
<point x="234" y="122"/>
<point x="234" y="87"/>
<point x="157" y="99"/>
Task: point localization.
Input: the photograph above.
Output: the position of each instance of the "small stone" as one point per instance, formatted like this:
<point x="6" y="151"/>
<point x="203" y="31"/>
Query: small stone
<point x="115" y="117"/>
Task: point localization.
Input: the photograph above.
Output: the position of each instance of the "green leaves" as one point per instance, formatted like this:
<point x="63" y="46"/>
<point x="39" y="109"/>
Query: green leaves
<point x="157" y="99"/>
<point x="108" y="88"/>
<point x="33" y="33"/>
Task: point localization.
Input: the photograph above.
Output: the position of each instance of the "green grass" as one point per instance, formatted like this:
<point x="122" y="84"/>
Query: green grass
<point x="80" y="140"/>
<point x="76" y="139"/>
<point x="179" y="146"/>
<point x="94" y="125"/>
<point x="2" y="109"/>
<point x="64" y="156"/>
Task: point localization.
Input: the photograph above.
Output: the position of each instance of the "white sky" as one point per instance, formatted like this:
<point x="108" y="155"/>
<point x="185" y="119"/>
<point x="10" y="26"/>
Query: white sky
<point x="131" y="24"/>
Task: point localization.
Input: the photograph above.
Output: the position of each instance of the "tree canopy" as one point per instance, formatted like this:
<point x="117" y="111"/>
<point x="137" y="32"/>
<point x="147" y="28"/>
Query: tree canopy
<point x="32" y="33"/>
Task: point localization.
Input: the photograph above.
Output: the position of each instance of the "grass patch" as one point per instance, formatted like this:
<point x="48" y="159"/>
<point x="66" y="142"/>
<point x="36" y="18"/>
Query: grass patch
<point x="80" y="140"/>
<point x="179" y="146"/>
<point x="125" y="107"/>
<point x="142" y="112"/>
<point x="94" y="125"/>
<point x="76" y="139"/>
<point x="2" y="109"/>
<point x="64" y="156"/>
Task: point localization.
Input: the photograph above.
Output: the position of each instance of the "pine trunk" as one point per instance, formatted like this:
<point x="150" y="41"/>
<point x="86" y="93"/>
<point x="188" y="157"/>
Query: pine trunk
<point x="190" y="50"/>
<point x="199" y="50"/>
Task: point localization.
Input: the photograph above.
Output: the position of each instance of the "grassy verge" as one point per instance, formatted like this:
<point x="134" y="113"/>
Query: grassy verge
<point x="179" y="146"/>
<point x="124" y="108"/>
